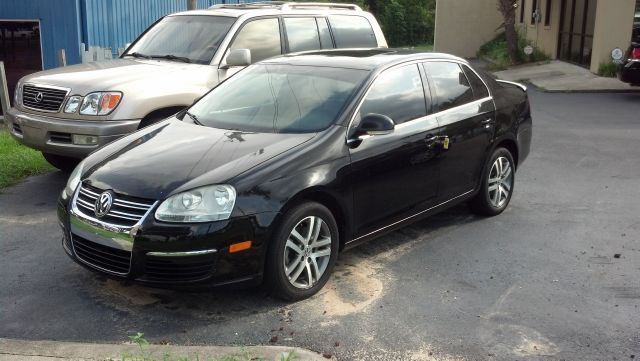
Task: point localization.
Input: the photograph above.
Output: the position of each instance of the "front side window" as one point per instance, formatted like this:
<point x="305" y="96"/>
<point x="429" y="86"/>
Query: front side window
<point x="352" y="32"/>
<point x="397" y="93"/>
<point x="262" y="37"/>
<point x="451" y="86"/>
<point x="192" y="37"/>
<point x="302" y="34"/>
<point x="279" y="99"/>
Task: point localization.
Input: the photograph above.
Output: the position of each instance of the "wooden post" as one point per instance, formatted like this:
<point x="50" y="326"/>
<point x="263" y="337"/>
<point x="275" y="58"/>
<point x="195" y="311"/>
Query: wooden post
<point x="192" y="4"/>
<point x="4" y="92"/>
<point x="62" y="58"/>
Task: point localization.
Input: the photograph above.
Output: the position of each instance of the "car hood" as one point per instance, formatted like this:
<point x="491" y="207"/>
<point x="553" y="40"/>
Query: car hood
<point x="126" y="75"/>
<point x="174" y="156"/>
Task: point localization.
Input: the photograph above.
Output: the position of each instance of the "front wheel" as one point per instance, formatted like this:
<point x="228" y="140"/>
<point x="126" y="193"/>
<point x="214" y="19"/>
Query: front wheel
<point x="65" y="164"/>
<point x="497" y="184"/>
<point x="303" y="252"/>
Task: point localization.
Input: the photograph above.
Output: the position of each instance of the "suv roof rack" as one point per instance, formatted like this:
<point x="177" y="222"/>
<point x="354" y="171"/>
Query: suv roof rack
<point x="287" y="5"/>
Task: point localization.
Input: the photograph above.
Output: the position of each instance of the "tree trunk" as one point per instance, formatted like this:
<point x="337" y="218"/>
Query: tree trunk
<point x="508" y="10"/>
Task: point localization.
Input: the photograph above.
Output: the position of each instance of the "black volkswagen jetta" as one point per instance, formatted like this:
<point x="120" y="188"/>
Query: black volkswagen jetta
<point x="275" y="171"/>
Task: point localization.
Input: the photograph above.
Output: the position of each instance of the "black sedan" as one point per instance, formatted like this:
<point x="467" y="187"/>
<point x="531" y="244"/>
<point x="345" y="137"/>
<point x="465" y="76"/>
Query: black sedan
<point x="630" y="68"/>
<point x="278" y="169"/>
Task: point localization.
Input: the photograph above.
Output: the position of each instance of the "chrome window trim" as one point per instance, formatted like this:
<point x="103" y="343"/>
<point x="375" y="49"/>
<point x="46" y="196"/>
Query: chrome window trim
<point x="66" y="96"/>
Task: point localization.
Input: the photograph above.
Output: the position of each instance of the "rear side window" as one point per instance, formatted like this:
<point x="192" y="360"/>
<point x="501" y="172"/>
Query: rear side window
<point x="302" y="34"/>
<point x="397" y="93"/>
<point x="262" y="37"/>
<point x="352" y="32"/>
<point x="451" y="86"/>
<point x="480" y="90"/>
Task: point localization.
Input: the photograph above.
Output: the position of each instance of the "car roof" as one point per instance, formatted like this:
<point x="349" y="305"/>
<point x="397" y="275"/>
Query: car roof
<point x="275" y="8"/>
<point x="362" y="59"/>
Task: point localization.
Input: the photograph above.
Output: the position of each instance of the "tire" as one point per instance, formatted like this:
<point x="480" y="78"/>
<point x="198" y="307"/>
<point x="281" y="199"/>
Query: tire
<point x="497" y="186"/>
<point x="290" y="280"/>
<point x="65" y="164"/>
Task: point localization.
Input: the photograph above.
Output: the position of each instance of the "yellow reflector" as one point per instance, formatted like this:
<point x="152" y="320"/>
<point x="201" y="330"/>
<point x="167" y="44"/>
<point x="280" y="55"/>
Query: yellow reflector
<point x="237" y="247"/>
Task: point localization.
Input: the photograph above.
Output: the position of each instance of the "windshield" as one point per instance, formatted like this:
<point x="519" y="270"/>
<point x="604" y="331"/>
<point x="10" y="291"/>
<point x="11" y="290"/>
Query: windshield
<point x="279" y="99"/>
<point x="194" y="38"/>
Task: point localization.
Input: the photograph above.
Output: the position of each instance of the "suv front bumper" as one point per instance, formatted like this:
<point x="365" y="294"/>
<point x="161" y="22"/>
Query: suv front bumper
<point x="54" y="135"/>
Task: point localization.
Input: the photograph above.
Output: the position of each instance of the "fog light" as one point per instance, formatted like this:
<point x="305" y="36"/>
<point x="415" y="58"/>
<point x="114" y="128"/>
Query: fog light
<point x="81" y="139"/>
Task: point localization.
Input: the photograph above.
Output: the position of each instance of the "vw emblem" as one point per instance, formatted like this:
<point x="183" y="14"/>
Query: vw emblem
<point x="38" y="98"/>
<point x="103" y="204"/>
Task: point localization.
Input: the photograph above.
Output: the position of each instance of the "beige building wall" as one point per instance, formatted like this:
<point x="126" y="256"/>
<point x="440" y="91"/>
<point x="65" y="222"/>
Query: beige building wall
<point x="462" y="26"/>
<point x="614" y="23"/>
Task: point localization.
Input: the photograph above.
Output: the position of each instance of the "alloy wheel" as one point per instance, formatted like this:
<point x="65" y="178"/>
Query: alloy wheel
<point x="307" y="252"/>
<point x="500" y="182"/>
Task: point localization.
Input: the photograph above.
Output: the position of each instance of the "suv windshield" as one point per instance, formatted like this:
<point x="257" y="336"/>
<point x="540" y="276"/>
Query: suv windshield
<point x="279" y="99"/>
<point x="188" y="38"/>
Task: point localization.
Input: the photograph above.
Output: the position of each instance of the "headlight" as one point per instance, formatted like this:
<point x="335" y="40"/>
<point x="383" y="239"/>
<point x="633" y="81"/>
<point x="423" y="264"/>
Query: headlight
<point x="74" y="180"/>
<point x="206" y="204"/>
<point x="72" y="104"/>
<point x="100" y="103"/>
<point x="17" y="95"/>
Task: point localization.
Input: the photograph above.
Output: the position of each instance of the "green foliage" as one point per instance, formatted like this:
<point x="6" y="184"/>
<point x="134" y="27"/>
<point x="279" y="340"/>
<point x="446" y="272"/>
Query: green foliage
<point x="18" y="161"/>
<point x="609" y="70"/>
<point x="497" y="51"/>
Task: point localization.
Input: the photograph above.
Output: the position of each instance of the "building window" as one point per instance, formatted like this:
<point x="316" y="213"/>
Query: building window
<point x="522" y="6"/>
<point x="547" y="14"/>
<point x="533" y="11"/>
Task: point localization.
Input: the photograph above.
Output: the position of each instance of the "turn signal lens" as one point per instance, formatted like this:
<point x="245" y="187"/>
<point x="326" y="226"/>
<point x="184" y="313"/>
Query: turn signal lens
<point x="237" y="247"/>
<point x="108" y="102"/>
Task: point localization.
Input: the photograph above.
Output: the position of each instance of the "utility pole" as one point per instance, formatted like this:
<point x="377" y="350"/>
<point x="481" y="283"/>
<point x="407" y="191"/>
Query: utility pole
<point x="192" y="4"/>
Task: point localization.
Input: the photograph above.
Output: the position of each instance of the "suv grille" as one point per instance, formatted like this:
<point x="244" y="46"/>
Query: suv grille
<point x="125" y="211"/>
<point x="106" y="258"/>
<point x="50" y="101"/>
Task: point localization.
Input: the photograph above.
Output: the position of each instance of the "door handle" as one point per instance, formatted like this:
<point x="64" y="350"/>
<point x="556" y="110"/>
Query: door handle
<point x="487" y="121"/>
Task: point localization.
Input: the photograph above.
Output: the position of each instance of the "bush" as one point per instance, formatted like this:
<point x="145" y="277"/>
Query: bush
<point x="609" y="70"/>
<point x="497" y="51"/>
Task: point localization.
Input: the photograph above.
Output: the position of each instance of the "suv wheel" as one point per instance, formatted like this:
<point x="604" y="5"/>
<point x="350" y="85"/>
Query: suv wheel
<point x="303" y="252"/>
<point x="65" y="164"/>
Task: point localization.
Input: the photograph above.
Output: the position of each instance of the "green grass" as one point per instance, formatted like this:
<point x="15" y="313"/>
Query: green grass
<point x="496" y="50"/>
<point x="17" y="161"/>
<point x="609" y="70"/>
<point x="424" y="47"/>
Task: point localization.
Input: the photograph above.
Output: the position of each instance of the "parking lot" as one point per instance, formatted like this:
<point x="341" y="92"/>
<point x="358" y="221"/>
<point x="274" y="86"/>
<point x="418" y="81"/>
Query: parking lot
<point x="555" y="276"/>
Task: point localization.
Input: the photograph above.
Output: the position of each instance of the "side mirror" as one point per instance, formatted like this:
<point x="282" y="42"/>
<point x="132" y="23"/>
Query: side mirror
<point x="238" y="57"/>
<point x="372" y="125"/>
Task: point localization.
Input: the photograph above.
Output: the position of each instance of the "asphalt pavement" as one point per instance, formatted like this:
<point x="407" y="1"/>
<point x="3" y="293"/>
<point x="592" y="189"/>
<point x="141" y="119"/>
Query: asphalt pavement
<point x="557" y="276"/>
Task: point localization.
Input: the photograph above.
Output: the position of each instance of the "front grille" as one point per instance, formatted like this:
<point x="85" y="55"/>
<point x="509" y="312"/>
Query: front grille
<point x="51" y="99"/>
<point x="177" y="269"/>
<point x="105" y="258"/>
<point x="126" y="211"/>
<point x="60" y="137"/>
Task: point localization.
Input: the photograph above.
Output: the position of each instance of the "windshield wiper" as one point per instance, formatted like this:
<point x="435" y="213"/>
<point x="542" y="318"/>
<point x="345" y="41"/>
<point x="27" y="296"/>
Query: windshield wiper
<point x="138" y="55"/>
<point x="171" y="57"/>
<point x="194" y="118"/>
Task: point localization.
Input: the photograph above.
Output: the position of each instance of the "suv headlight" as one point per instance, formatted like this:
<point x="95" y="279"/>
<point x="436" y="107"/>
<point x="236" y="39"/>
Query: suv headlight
<point x="74" y="180"/>
<point x="17" y="94"/>
<point x="100" y="103"/>
<point x="205" y="204"/>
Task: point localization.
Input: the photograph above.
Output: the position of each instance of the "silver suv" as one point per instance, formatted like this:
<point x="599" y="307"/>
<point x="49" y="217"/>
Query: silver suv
<point x="68" y="112"/>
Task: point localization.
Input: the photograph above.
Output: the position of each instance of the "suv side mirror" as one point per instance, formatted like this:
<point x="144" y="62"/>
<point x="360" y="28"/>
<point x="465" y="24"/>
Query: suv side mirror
<point x="372" y="125"/>
<point x="238" y="57"/>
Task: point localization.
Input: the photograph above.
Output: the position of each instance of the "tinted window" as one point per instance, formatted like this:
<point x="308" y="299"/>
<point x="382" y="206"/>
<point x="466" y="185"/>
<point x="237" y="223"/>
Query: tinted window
<point x="279" y="99"/>
<point x="262" y="37"/>
<point x="479" y="89"/>
<point x="398" y="94"/>
<point x="302" y="34"/>
<point x="325" y="35"/>
<point x="450" y="84"/>
<point x="352" y="32"/>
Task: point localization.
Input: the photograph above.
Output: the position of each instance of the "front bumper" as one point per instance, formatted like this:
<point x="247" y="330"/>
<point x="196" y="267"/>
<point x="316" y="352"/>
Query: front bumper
<point x="630" y="72"/>
<point x="53" y="135"/>
<point x="159" y="254"/>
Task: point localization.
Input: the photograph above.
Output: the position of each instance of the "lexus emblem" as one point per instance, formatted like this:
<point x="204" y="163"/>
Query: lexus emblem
<point x="38" y="98"/>
<point x="103" y="204"/>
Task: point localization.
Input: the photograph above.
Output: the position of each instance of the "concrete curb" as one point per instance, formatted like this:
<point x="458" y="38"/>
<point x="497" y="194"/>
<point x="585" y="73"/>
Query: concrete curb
<point x="14" y="350"/>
